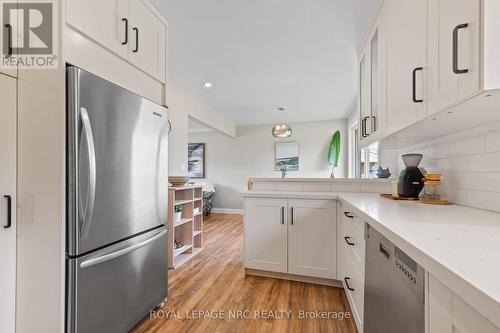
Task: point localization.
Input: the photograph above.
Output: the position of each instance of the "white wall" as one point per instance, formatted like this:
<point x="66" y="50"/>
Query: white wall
<point x="181" y="106"/>
<point x="231" y="161"/>
<point x="469" y="162"/>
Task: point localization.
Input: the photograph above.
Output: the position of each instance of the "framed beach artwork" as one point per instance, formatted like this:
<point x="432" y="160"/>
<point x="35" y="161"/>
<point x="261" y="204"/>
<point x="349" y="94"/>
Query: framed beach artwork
<point x="287" y="155"/>
<point x="196" y="160"/>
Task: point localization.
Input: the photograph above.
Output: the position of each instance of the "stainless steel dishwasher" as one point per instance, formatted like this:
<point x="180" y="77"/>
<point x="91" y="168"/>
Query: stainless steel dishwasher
<point x="394" y="288"/>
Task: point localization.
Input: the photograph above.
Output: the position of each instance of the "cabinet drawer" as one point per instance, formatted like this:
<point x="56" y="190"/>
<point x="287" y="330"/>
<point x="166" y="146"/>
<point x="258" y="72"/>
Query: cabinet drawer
<point x="354" y="287"/>
<point x="354" y="245"/>
<point x="349" y="216"/>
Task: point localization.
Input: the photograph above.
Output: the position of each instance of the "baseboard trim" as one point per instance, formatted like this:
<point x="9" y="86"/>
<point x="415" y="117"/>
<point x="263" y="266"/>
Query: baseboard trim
<point x="293" y="277"/>
<point x="227" y="211"/>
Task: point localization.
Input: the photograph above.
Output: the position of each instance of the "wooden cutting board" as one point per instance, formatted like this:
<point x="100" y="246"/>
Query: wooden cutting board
<point x="427" y="202"/>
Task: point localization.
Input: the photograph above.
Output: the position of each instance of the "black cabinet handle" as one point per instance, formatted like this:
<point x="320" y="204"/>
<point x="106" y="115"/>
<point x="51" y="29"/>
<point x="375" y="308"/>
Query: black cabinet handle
<point x="282" y="215"/>
<point x="9" y="211"/>
<point x="136" y="39"/>
<point x="364" y="133"/>
<point x="349" y="216"/>
<point x="9" y="39"/>
<point x="126" y="31"/>
<point x="346" y="279"/>
<point x="347" y="240"/>
<point x="291" y="216"/>
<point x="456" y="70"/>
<point x="414" y="89"/>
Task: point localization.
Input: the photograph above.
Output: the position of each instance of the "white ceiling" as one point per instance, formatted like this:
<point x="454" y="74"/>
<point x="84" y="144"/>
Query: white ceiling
<point x="263" y="54"/>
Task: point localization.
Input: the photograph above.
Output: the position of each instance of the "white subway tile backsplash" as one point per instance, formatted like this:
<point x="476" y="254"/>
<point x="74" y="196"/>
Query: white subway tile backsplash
<point x="467" y="146"/>
<point x="493" y="182"/>
<point x="493" y="142"/>
<point x="289" y="187"/>
<point x="468" y="181"/>
<point x="456" y="195"/>
<point x="373" y="187"/>
<point x="258" y="186"/>
<point x="345" y="187"/>
<point x="316" y="187"/>
<point x="484" y="200"/>
<point x="489" y="162"/>
<point x="469" y="162"/>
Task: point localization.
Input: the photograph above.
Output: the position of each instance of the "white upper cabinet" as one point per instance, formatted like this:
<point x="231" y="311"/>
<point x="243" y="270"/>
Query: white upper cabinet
<point x="371" y="91"/>
<point x="9" y="32"/>
<point x="8" y="203"/>
<point x="406" y="40"/>
<point x="454" y="51"/>
<point x="106" y="22"/>
<point x="147" y="48"/>
<point x="312" y="238"/>
<point x="439" y="70"/>
<point x="266" y="234"/>
<point x="132" y="29"/>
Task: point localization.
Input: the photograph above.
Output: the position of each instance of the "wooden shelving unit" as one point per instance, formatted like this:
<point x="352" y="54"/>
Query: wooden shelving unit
<point x="190" y="229"/>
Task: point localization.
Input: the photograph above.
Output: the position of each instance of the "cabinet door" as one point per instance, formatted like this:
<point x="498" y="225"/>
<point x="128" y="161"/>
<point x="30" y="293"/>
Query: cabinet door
<point x="454" y="62"/>
<point x="147" y="48"/>
<point x="103" y="21"/>
<point x="406" y="23"/>
<point x="375" y="82"/>
<point x="312" y="238"/>
<point x="448" y="313"/>
<point x="266" y="234"/>
<point x="364" y="95"/>
<point x="9" y="31"/>
<point x="7" y="202"/>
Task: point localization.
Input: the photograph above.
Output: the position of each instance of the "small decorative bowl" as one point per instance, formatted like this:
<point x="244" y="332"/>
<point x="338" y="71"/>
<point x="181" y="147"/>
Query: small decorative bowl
<point x="178" y="180"/>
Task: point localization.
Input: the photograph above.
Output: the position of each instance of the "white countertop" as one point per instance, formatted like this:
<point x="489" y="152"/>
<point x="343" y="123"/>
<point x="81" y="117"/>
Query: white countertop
<point x="458" y="245"/>
<point x="320" y="180"/>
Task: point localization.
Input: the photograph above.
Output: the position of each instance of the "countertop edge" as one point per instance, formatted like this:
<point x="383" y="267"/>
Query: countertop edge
<point x="478" y="299"/>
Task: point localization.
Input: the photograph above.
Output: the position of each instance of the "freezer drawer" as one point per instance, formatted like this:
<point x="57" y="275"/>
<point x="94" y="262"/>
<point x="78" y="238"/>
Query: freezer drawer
<point x="112" y="289"/>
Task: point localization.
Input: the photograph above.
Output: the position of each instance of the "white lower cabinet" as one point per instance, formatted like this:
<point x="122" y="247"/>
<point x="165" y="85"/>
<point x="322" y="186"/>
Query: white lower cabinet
<point x="311" y="238"/>
<point x="266" y="234"/>
<point x="448" y="313"/>
<point x="351" y="261"/>
<point x="7" y="204"/>
<point x="295" y="236"/>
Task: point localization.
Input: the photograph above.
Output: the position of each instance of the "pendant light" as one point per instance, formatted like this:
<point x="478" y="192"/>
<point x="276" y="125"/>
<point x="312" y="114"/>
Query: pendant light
<point x="282" y="131"/>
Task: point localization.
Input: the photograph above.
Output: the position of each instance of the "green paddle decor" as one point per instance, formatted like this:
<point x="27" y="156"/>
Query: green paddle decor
<point x="334" y="152"/>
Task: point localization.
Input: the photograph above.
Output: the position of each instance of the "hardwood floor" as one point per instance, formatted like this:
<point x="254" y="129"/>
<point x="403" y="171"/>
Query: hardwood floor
<point x="206" y="292"/>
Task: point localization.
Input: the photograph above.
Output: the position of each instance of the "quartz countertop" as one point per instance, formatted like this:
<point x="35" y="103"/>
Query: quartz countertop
<point x="458" y="245"/>
<point x="320" y="180"/>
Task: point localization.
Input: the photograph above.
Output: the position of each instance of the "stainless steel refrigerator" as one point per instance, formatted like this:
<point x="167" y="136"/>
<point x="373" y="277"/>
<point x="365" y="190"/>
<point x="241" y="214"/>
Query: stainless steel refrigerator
<point x="116" y="259"/>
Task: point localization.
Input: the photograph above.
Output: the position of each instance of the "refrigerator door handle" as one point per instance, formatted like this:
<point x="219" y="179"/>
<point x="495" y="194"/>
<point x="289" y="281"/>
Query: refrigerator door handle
<point x="122" y="252"/>
<point x="86" y="213"/>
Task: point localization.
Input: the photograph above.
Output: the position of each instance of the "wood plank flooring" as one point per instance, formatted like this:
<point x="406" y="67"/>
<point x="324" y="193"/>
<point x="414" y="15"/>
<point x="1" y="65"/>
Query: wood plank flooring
<point x="203" y="291"/>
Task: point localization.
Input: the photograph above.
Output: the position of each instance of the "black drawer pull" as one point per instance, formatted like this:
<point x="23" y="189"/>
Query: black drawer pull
<point x="347" y="240"/>
<point x="346" y="279"/>
<point x="414" y="83"/>
<point x="136" y="39"/>
<point x="9" y="211"/>
<point x="126" y="31"/>
<point x="349" y="216"/>
<point x="456" y="70"/>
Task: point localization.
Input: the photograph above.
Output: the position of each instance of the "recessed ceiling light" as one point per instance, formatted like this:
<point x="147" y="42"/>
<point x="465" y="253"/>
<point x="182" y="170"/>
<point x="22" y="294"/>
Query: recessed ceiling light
<point x="208" y="84"/>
